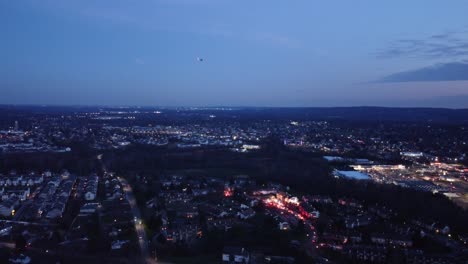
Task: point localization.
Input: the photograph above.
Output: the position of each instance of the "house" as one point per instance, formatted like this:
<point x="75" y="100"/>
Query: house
<point x="235" y="255"/>
<point x="318" y="199"/>
<point x="89" y="196"/>
<point x="54" y="213"/>
<point x="21" y="259"/>
<point x="118" y="244"/>
<point x="8" y="206"/>
<point x="366" y="253"/>
<point x="65" y="174"/>
<point x="246" y="214"/>
<point x="223" y="214"/>
<point x="314" y="214"/>
<point x="422" y="257"/>
<point x="200" y="192"/>
<point x="355" y="237"/>
<point x="284" y="226"/>
<point x="91" y="188"/>
<point x="389" y="239"/>
<point x="221" y="224"/>
<point x="445" y="230"/>
<point x="243" y="206"/>
<point x="185" y="210"/>
<point x="89" y="208"/>
<point x="357" y="221"/>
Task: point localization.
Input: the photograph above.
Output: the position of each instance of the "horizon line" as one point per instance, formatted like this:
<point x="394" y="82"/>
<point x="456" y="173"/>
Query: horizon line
<point x="221" y="106"/>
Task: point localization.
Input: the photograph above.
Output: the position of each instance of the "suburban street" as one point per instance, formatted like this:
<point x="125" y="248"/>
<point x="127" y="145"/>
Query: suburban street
<point x="140" y="230"/>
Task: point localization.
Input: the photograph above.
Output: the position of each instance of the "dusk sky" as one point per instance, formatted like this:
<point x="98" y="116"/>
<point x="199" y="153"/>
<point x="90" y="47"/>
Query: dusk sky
<point x="255" y="53"/>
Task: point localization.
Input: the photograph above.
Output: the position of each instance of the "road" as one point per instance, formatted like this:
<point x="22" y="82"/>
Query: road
<point x="140" y="230"/>
<point x="7" y="245"/>
<point x="25" y="223"/>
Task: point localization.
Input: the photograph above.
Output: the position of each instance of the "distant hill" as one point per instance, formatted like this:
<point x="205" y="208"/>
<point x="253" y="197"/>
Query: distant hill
<point x="362" y="113"/>
<point x="366" y="113"/>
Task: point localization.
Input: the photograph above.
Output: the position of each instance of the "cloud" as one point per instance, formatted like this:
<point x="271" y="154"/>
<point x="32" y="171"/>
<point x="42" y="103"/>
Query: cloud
<point x="454" y="71"/>
<point x="443" y="45"/>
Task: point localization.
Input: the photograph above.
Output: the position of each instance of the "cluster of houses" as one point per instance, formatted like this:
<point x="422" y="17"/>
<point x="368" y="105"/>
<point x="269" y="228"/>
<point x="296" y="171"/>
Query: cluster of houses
<point x="53" y="197"/>
<point x="358" y="233"/>
<point x="183" y="199"/>
<point x="48" y="194"/>
<point x="371" y="254"/>
<point x="116" y="221"/>
<point x="116" y="215"/>
<point x="241" y="255"/>
<point x="7" y="207"/>
<point x="187" y="205"/>
<point x="187" y="136"/>
<point x="17" y="188"/>
<point x="15" y="140"/>
<point x="113" y="211"/>
<point x="369" y="234"/>
<point x="88" y="187"/>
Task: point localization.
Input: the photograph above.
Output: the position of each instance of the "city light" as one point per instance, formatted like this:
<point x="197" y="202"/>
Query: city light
<point x="228" y="192"/>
